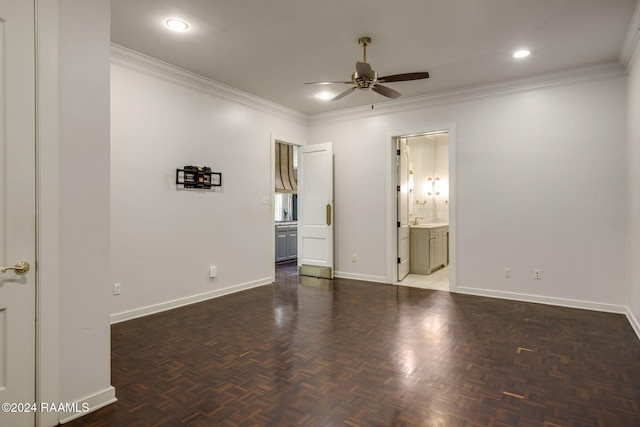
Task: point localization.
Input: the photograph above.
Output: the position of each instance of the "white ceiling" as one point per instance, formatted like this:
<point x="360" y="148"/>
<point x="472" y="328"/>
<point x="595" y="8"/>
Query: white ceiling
<point x="270" y="48"/>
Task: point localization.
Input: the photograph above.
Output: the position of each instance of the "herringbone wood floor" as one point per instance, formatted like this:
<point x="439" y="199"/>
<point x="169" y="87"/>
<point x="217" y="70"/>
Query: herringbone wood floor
<point x="308" y="352"/>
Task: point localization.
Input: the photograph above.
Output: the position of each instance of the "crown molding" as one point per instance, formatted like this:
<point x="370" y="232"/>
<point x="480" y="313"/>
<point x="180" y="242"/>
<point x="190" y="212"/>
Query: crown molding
<point x="542" y="81"/>
<point x="150" y="66"/>
<point x="136" y="61"/>
<point x="631" y="43"/>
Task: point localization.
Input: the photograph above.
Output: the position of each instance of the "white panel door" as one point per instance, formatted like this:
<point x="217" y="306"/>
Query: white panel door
<point x="17" y="211"/>
<point x="403" y="209"/>
<point x="315" y="210"/>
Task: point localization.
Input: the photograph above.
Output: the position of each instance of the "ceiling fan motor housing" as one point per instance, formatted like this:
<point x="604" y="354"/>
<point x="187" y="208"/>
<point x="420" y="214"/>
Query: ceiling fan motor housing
<point x="363" y="82"/>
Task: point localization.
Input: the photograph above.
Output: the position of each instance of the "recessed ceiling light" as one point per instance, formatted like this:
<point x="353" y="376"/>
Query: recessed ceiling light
<point x="325" y="95"/>
<point x="521" y="53"/>
<point x="177" y="24"/>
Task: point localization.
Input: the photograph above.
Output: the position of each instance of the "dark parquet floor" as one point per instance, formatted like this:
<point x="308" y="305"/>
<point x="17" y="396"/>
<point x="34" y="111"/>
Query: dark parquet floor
<point x="311" y="352"/>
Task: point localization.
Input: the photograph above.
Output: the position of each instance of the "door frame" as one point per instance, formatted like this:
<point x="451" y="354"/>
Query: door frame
<point x="392" y="203"/>
<point x="403" y="231"/>
<point x="272" y="194"/>
<point x="47" y="220"/>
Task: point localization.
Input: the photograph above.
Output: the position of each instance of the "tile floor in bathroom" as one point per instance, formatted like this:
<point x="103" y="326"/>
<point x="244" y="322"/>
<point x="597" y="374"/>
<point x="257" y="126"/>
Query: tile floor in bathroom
<point x="438" y="280"/>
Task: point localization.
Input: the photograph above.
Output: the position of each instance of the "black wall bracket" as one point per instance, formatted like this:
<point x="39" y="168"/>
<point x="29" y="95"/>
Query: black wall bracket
<point x="198" y="177"/>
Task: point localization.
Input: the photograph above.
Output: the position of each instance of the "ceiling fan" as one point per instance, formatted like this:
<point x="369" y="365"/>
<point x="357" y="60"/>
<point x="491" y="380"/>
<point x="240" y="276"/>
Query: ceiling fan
<point x="366" y="78"/>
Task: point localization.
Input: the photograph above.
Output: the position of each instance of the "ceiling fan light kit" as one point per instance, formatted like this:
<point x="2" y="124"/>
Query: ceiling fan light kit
<point x="366" y="78"/>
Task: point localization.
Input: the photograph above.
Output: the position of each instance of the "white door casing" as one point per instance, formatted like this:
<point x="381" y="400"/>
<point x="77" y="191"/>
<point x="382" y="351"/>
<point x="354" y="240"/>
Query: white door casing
<point x="315" y="210"/>
<point x="403" y="209"/>
<point x="17" y="211"/>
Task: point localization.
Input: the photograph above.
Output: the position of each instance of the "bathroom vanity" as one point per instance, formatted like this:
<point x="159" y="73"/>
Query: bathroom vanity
<point x="429" y="247"/>
<point x="286" y="240"/>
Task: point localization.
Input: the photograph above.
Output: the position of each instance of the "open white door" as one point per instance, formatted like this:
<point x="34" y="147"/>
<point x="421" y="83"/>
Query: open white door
<point x="315" y="210"/>
<point x="17" y="213"/>
<point x="403" y="208"/>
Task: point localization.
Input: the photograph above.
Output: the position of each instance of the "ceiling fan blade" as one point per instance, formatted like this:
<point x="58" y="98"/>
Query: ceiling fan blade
<point x="404" y="77"/>
<point x="328" y="83"/>
<point x="363" y="69"/>
<point x="386" y="91"/>
<point x="345" y="93"/>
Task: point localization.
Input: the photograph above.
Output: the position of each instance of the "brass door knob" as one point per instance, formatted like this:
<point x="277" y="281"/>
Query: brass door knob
<point x="20" y="268"/>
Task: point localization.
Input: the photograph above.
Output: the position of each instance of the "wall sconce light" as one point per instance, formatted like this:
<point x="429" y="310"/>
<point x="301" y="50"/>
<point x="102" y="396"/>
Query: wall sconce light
<point x="436" y="186"/>
<point x="434" y="183"/>
<point x="431" y="188"/>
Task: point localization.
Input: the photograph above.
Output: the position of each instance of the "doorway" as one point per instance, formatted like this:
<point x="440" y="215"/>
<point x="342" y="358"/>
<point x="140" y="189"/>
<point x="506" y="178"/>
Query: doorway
<point x="285" y="212"/>
<point x="422" y="237"/>
<point x="314" y="180"/>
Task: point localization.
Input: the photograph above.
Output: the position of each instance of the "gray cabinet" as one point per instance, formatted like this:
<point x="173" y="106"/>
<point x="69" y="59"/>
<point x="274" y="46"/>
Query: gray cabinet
<point x="419" y="258"/>
<point x="429" y="249"/>
<point x="286" y="241"/>
<point x="292" y="242"/>
<point x="439" y="240"/>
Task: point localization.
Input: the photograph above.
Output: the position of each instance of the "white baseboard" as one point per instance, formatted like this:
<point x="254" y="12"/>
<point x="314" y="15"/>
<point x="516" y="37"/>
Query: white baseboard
<point x="354" y="276"/>
<point x="90" y="404"/>
<point x="634" y="322"/>
<point x="585" y="305"/>
<point x="157" y="308"/>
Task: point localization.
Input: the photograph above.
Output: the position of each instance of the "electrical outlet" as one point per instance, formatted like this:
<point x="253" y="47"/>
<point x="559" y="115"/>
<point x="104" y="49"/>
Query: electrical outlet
<point x="213" y="271"/>
<point x="537" y="274"/>
<point x="354" y="257"/>
<point x="507" y="272"/>
<point x="117" y="288"/>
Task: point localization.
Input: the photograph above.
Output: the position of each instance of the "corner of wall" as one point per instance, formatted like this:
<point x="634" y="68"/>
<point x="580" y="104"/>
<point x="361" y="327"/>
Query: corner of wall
<point x="633" y="174"/>
<point x="633" y="320"/>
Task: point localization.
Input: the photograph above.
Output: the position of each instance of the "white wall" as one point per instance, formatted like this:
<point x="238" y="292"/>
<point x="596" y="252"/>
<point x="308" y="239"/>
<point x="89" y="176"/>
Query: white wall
<point x="540" y="184"/>
<point x="633" y="113"/>
<point x="83" y="201"/>
<point x="164" y="239"/>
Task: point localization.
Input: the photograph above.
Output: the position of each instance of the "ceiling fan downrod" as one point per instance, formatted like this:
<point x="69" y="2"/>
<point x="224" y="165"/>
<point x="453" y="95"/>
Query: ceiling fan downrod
<point x="364" y="42"/>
